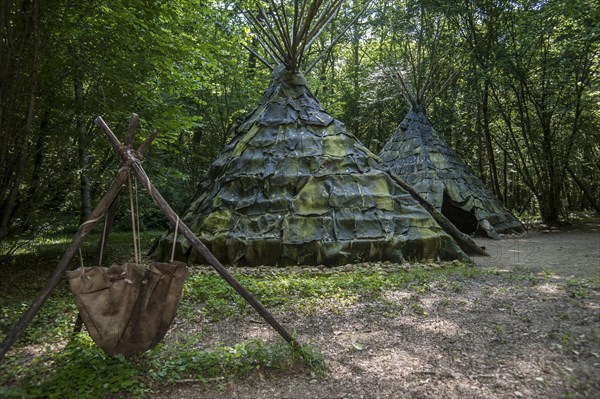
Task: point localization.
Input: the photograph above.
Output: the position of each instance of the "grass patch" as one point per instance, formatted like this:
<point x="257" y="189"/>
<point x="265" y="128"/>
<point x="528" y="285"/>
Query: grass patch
<point x="579" y="287"/>
<point x="308" y="291"/>
<point x="82" y="370"/>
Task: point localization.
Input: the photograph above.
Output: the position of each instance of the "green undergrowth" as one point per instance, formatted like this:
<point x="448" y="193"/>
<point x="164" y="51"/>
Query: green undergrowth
<point x="310" y="290"/>
<point x="82" y="370"/>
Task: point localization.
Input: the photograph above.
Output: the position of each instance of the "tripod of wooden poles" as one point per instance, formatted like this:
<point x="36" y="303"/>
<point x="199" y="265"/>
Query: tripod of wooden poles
<point x="131" y="163"/>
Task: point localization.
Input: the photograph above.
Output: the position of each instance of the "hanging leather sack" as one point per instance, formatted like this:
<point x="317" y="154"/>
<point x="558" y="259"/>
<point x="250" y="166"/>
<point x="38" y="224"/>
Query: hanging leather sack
<point x="127" y="309"/>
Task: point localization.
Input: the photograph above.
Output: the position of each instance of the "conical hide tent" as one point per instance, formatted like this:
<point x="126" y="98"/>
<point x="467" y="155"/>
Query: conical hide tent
<point x="295" y="187"/>
<point x="417" y="155"/>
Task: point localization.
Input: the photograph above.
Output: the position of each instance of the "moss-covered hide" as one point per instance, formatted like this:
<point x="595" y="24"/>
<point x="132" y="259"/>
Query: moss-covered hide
<point x="295" y="187"/>
<point x="417" y="155"/>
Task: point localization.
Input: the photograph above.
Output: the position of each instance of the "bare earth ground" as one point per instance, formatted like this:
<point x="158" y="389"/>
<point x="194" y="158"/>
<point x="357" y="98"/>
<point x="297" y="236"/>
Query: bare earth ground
<point x="529" y="330"/>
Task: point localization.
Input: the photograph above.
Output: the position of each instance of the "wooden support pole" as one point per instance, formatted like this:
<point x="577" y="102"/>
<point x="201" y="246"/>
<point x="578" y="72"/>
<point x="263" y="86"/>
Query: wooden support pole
<point x="111" y="214"/>
<point x="465" y="242"/>
<point x="130" y="159"/>
<point x="57" y="275"/>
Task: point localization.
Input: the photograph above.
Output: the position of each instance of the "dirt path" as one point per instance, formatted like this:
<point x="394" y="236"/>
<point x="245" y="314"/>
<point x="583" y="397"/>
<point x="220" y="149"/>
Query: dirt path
<point x="565" y="253"/>
<point x="529" y="330"/>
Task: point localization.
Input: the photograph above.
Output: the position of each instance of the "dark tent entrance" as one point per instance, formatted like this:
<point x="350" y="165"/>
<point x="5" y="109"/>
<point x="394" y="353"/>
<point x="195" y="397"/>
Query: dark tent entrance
<point x="464" y="220"/>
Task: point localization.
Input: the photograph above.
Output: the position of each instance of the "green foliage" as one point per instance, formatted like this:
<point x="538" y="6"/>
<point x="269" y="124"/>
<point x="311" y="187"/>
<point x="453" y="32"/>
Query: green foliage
<point x="579" y="288"/>
<point x="157" y="59"/>
<point x="82" y="370"/>
<point x="520" y="106"/>
<point x="183" y="361"/>
<point x="309" y="291"/>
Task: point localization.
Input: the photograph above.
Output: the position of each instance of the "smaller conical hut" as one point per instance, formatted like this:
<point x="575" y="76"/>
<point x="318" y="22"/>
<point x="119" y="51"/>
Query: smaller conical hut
<point x="416" y="154"/>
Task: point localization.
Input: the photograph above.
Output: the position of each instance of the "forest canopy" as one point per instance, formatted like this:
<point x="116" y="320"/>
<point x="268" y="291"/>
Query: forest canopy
<point x="514" y="89"/>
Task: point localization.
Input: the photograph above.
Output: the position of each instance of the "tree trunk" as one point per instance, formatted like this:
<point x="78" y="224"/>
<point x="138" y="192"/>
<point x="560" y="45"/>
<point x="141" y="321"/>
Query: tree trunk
<point x="29" y="205"/>
<point x="505" y="179"/>
<point x="549" y="202"/>
<point x="84" y="159"/>
<point x="480" y="158"/>
<point x="9" y="207"/>
<point x="488" y="140"/>
<point x="585" y="189"/>
<point x="355" y="75"/>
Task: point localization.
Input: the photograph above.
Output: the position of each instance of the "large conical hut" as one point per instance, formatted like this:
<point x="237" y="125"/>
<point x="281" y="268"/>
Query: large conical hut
<point x="294" y="186"/>
<point x="420" y="157"/>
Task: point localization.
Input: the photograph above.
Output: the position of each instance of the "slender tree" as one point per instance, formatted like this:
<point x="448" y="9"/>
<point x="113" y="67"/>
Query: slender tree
<point x="20" y="49"/>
